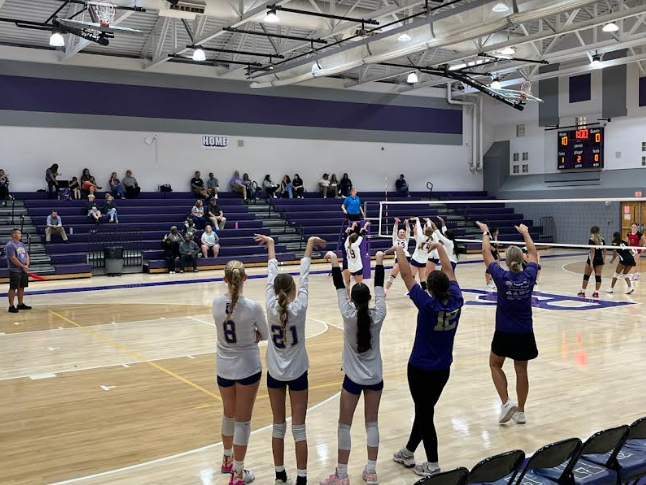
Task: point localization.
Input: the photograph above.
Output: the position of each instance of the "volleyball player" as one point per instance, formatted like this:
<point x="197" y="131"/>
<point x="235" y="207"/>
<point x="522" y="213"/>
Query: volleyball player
<point x="421" y="256"/>
<point x="430" y="361"/>
<point x="240" y="324"/>
<point x="514" y="335"/>
<point x="637" y="239"/>
<point x="495" y="254"/>
<point x="287" y="361"/>
<point x="401" y="238"/>
<point x="362" y="365"/>
<point x="354" y="262"/>
<point x="433" y="258"/>
<point x="626" y="263"/>
<point x="595" y="262"/>
<point x="526" y="262"/>
<point x="447" y="239"/>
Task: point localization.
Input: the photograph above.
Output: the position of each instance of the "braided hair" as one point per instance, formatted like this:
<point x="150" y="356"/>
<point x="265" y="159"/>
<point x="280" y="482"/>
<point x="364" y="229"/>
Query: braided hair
<point x="234" y="274"/>
<point x="283" y="286"/>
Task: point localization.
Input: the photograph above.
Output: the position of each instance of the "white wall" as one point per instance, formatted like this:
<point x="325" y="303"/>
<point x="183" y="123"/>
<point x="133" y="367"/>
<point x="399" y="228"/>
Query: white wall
<point x="28" y="152"/>
<point x="623" y="137"/>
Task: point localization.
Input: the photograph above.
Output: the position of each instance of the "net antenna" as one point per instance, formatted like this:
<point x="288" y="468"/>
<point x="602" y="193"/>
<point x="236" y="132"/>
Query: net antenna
<point x="105" y="13"/>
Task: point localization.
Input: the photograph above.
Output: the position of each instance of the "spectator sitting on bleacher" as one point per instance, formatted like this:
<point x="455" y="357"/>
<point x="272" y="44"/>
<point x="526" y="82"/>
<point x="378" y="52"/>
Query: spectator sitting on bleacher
<point x="111" y="208"/>
<point x="212" y="185"/>
<point x="188" y="251"/>
<point x="54" y="226"/>
<point x="269" y="187"/>
<point x="170" y="245"/>
<point x="248" y="185"/>
<point x="93" y="211"/>
<point x="210" y="240"/>
<point x="215" y="215"/>
<point x="324" y="185"/>
<point x="130" y="185"/>
<point x="116" y="189"/>
<point x="402" y="186"/>
<point x="334" y="186"/>
<point x="299" y="188"/>
<point x="75" y="188"/>
<point x="197" y="214"/>
<point x="189" y="228"/>
<point x="286" y="187"/>
<point x="345" y="186"/>
<point x="237" y="185"/>
<point x="197" y="185"/>
<point x="88" y="182"/>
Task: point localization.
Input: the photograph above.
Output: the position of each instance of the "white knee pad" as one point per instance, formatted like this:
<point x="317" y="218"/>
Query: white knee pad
<point x="619" y="275"/>
<point x="372" y="434"/>
<point x="228" y="426"/>
<point x="299" y="432"/>
<point x="391" y="279"/>
<point x="242" y="433"/>
<point x="345" y="440"/>
<point x="280" y="430"/>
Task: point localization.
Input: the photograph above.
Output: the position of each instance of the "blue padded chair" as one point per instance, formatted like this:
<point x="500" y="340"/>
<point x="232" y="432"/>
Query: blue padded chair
<point x="457" y="476"/>
<point x="581" y="471"/>
<point x="630" y="462"/>
<point x="503" y="467"/>
<point x="555" y="456"/>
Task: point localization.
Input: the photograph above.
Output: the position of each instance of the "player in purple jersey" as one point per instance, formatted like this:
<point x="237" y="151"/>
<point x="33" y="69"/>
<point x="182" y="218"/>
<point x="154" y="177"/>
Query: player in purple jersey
<point x="514" y="335"/>
<point x="430" y="361"/>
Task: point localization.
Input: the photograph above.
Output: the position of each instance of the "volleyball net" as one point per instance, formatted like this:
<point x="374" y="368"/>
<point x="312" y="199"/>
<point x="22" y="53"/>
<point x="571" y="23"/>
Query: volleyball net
<point x="563" y="224"/>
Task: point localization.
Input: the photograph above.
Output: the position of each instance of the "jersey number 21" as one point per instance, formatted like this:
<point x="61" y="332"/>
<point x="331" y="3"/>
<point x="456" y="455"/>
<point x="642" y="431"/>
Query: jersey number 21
<point x="447" y="320"/>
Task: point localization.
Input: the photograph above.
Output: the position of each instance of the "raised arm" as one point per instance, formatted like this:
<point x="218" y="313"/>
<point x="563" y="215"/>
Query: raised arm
<point x="267" y="241"/>
<point x="395" y="229"/>
<point x="404" y="267"/>
<point x="407" y="226"/>
<point x="486" y="244"/>
<point x="312" y="244"/>
<point x="447" y="268"/>
<point x="531" y="248"/>
<point x="347" y="310"/>
<point x="380" y="299"/>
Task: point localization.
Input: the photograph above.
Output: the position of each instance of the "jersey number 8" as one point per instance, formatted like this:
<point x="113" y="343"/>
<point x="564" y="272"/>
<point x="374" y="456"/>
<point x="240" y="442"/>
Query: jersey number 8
<point x="278" y="336"/>
<point x="447" y="320"/>
<point x="230" y="332"/>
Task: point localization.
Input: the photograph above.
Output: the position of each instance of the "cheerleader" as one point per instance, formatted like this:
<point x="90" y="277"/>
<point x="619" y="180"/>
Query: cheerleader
<point x="446" y="238"/>
<point x="420" y="258"/>
<point x="240" y="324"/>
<point x="287" y="361"/>
<point x="353" y="263"/>
<point x="495" y="254"/>
<point x="625" y="265"/>
<point x="636" y="238"/>
<point x="362" y="366"/>
<point x="595" y="262"/>
<point x="401" y="238"/>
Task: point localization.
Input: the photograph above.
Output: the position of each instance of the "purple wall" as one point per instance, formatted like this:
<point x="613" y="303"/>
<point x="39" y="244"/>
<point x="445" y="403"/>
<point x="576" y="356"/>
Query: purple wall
<point x="580" y="88"/>
<point x="81" y="97"/>
<point x="642" y="91"/>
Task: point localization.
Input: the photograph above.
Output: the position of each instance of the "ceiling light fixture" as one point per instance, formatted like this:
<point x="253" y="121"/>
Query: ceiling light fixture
<point x="596" y="62"/>
<point x="57" y="40"/>
<point x="412" y="78"/>
<point x="199" y="55"/>
<point x="500" y="7"/>
<point x="404" y="37"/>
<point x="496" y="83"/>
<point x="508" y="51"/>
<point x="272" y="16"/>
<point x="611" y="27"/>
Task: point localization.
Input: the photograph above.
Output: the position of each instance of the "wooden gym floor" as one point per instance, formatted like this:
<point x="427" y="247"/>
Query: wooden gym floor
<point x="112" y="381"/>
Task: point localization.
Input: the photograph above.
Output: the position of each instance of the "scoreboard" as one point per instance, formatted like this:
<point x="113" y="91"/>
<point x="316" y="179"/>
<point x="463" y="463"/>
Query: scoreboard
<point x="581" y="149"/>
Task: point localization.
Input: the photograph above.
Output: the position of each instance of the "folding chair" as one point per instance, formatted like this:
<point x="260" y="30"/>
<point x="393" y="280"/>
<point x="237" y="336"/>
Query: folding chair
<point x="499" y="468"/>
<point x="581" y="471"/>
<point x="457" y="476"/>
<point x="630" y="461"/>
<point x="555" y="456"/>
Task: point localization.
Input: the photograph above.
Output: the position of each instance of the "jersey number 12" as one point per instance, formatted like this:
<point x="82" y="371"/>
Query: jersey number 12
<point x="447" y="320"/>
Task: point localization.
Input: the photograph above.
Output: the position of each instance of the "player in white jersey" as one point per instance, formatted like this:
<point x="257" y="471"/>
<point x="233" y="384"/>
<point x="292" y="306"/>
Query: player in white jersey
<point x="401" y="238"/>
<point x="353" y="267"/>
<point x="420" y="258"/>
<point x="287" y="361"/>
<point x="240" y="324"/>
<point x="446" y="238"/>
<point x="362" y="366"/>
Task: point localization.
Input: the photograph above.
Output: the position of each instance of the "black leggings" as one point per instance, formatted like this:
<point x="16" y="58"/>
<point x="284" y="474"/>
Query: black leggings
<point x="426" y="387"/>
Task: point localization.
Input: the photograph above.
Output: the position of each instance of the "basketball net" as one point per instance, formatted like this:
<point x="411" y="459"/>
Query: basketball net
<point x="105" y="12"/>
<point x="526" y="89"/>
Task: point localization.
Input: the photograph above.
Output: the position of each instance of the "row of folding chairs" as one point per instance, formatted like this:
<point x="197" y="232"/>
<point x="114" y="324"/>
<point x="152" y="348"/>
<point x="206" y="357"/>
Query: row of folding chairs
<point x="611" y="457"/>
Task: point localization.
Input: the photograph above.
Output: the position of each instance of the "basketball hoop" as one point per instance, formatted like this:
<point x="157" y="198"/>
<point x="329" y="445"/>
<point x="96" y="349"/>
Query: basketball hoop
<point x="526" y="89"/>
<point x="105" y="12"/>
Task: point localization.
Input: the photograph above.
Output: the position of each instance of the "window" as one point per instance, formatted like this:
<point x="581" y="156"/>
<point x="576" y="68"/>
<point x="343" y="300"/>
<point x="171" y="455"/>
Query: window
<point x="516" y="157"/>
<point x="515" y="169"/>
<point x="520" y="131"/>
<point x="644" y="146"/>
<point x="643" y="161"/>
<point x="525" y="168"/>
<point x="525" y="156"/>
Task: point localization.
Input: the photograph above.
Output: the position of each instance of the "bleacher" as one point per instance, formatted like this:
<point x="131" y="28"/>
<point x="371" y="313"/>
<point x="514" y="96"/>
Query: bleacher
<point x="613" y="456"/>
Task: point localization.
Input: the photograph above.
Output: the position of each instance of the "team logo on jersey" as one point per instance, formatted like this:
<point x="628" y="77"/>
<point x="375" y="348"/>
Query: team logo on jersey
<point x="547" y="301"/>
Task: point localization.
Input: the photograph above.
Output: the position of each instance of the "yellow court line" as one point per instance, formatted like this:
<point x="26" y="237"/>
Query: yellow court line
<point x="140" y="358"/>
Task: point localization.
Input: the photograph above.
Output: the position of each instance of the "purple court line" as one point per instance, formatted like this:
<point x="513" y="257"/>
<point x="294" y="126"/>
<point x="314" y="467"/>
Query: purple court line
<point x="213" y="280"/>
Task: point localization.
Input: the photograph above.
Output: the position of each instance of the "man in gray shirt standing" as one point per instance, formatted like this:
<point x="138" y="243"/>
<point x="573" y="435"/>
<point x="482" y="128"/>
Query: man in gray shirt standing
<point x="18" y="262"/>
<point x="55" y="226"/>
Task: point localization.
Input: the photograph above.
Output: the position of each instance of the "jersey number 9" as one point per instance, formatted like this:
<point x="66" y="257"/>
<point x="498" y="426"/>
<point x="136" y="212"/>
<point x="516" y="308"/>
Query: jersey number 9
<point x="352" y="253"/>
<point x="278" y="336"/>
<point x="447" y="320"/>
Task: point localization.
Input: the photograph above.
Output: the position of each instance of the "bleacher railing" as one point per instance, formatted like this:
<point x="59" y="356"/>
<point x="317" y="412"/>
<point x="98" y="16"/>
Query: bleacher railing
<point x="113" y="236"/>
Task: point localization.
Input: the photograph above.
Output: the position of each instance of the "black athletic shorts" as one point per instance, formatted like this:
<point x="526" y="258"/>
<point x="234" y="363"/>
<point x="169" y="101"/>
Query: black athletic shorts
<point x="516" y="346"/>
<point x="18" y="280"/>
<point x="247" y="381"/>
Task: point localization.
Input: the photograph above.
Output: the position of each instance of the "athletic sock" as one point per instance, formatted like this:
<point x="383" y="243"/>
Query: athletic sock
<point x="228" y="453"/>
<point x="238" y="468"/>
<point x="342" y="470"/>
<point x="406" y="452"/>
<point x="371" y="466"/>
<point x="281" y="474"/>
<point x="301" y="477"/>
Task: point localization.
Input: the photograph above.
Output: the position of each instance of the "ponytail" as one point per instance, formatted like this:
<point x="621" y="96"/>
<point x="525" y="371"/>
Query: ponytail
<point x="361" y="297"/>
<point x="234" y="274"/>
<point x="283" y="286"/>
<point x="594" y="235"/>
<point x="282" y="309"/>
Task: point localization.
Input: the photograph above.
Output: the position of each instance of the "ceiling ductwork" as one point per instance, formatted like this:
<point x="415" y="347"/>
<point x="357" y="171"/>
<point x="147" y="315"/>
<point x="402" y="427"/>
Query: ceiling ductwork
<point x="454" y="28"/>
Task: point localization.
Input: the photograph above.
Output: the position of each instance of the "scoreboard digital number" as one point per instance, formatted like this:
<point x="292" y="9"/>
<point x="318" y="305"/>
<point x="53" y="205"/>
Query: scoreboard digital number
<point x="581" y="149"/>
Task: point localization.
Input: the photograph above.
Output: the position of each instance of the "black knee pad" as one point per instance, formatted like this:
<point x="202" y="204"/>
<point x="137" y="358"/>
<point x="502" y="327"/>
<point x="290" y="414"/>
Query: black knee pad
<point x="586" y="277"/>
<point x="597" y="278"/>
